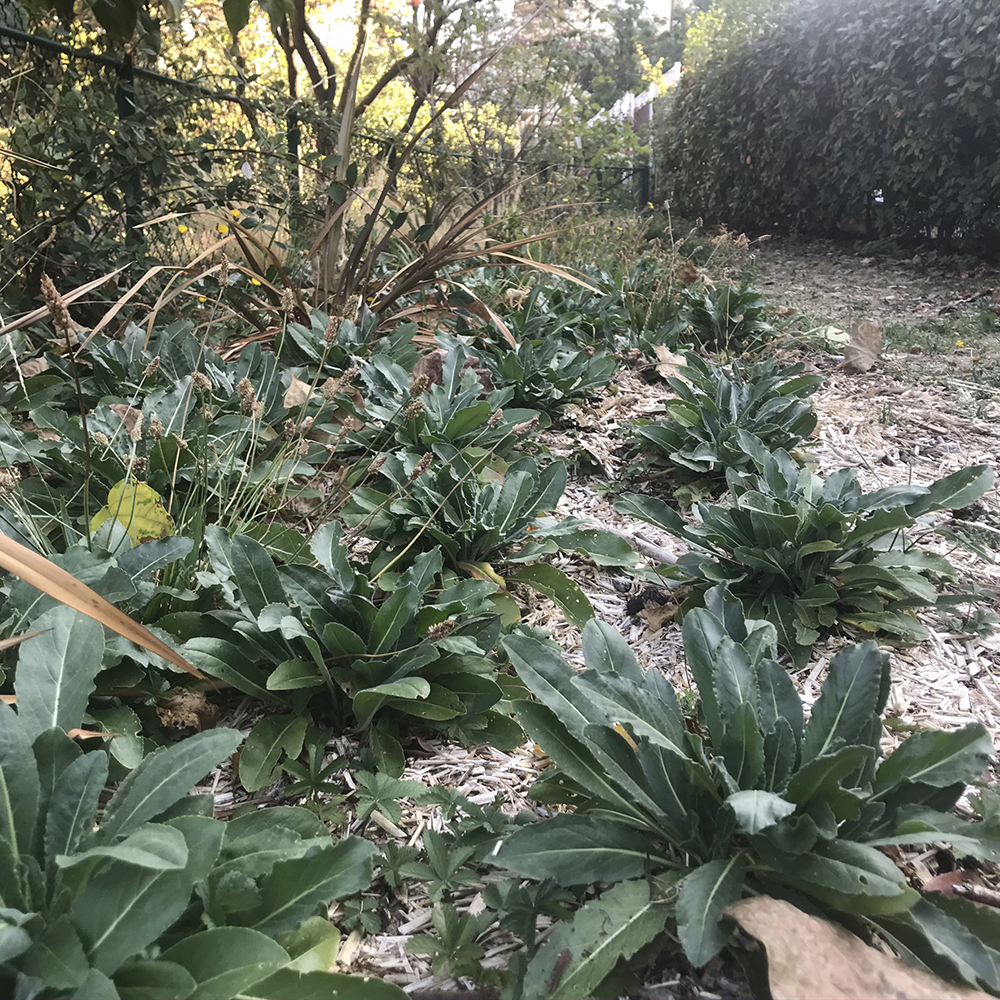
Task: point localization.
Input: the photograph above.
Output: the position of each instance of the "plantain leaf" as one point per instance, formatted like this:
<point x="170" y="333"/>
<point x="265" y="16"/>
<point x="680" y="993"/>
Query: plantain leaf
<point x="260" y="759"/>
<point x="555" y="584"/>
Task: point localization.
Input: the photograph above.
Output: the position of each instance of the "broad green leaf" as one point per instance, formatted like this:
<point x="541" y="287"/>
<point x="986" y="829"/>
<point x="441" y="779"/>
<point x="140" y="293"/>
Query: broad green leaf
<point x="287" y="984"/>
<point x="229" y="663"/>
<point x="19" y="783"/>
<point x="742" y="746"/>
<point x="778" y="698"/>
<point x="142" y="561"/>
<point x="369" y="700"/>
<point x="295" y="888"/>
<point x="225" y="960"/>
<point x="573" y="757"/>
<point x="703" y="896"/>
<point x="260" y="759"/>
<point x="821" y="779"/>
<point x="555" y="584"/>
<point x="927" y="826"/>
<point x="57" y="957"/>
<point x="312" y="946"/>
<point x="576" y="850"/>
<point x="73" y="805"/>
<point x="955" y="491"/>
<point x="148" y="979"/>
<point x="152" y="846"/>
<point x="163" y="777"/>
<point x="852" y="876"/>
<point x="398" y="611"/>
<point x="757" y="810"/>
<point x="847" y="700"/>
<point x="56" y="671"/>
<point x="944" y="943"/>
<point x="598" y="935"/>
<point x="122" y="910"/>
<point x="605" y="649"/>
<point x="937" y="758"/>
<point x="54" y="751"/>
<point x="703" y="633"/>
<point x="735" y="679"/>
<point x="255" y="574"/>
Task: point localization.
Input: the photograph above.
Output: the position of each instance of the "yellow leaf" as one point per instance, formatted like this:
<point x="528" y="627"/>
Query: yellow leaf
<point x="623" y="733"/>
<point x="138" y="508"/>
<point x="483" y="571"/>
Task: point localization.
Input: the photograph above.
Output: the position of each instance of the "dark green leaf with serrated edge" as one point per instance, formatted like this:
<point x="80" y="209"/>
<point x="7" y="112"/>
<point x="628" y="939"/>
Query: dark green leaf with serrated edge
<point x="56" y="671"/>
<point x="163" y="777"/>
<point x="847" y="700"/>
<point x="123" y="909"/>
<point x="937" y="758"/>
<point x="598" y="935"/>
<point x="821" y="779"/>
<point x="703" y="896"/>
<point x="73" y="805"/>
<point x="19" y="783"/>
<point x="576" y="850"/>
<point x="295" y="888"/>
<point x="261" y="754"/>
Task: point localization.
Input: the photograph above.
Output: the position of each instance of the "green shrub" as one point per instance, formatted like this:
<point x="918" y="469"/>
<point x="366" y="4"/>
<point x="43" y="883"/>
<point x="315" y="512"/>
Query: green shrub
<point x="681" y="818"/>
<point x="807" y="554"/>
<point x="702" y="436"/>
<point x="881" y="116"/>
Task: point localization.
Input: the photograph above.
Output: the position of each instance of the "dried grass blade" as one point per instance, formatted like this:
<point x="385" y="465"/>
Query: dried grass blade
<point x="56" y="582"/>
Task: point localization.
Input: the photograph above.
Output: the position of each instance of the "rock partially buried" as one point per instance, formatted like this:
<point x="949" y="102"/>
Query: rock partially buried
<point x="810" y="957"/>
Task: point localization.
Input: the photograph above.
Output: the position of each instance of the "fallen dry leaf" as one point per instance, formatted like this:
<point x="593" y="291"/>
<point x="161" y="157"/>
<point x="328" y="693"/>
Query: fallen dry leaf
<point x="865" y="346"/>
<point x="668" y="363"/>
<point x="188" y="708"/>
<point x="296" y="393"/>
<point x="129" y="414"/>
<point x="810" y="957"/>
<point x="34" y="366"/>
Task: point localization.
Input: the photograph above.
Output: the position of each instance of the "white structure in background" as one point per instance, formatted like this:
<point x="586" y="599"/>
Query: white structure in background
<point x="639" y="107"/>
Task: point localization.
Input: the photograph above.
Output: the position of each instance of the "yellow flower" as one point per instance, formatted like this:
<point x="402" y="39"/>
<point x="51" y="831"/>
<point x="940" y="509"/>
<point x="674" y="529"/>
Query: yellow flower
<point x="649" y="204"/>
<point x="223" y="228"/>
<point x="235" y="212"/>
<point x="182" y="228"/>
<point x="201" y="298"/>
<point x="960" y="343"/>
<point x="254" y="281"/>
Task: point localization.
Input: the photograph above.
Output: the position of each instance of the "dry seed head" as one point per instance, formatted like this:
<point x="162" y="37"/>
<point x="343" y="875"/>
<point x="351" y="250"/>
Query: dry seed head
<point x="340" y="475"/>
<point x="224" y="271"/>
<point x="206" y="414"/>
<point x="526" y="428"/>
<point x="101" y="438"/>
<point x="257" y="410"/>
<point x="270" y="492"/>
<point x="151" y="369"/>
<point x="330" y="388"/>
<point x="303" y="447"/>
<point x="243" y="388"/>
<point x="348" y="377"/>
<point x="288" y="428"/>
<point x="287" y="300"/>
<point x="9" y="481"/>
<point x="331" y="330"/>
<point x="413" y="409"/>
<point x="377" y="464"/>
<point x="495" y="419"/>
<point x="419" y="385"/>
<point x="421" y="467"/>
<point x="136" y="432"/>
<point x="201" y="382"/>
<point x="181" y="443"/>
<point x="57" y="308"/>
<point x="440" y="631"/>
<point x="155" y="429"/>
<point x="139" y="466"/>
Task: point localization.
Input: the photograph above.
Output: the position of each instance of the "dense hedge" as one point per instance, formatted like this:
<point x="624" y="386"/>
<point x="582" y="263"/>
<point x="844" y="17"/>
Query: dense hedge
<point x="801" y="127"/>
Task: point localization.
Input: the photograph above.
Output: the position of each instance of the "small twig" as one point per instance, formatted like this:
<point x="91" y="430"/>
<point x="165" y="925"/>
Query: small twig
<point x="978" y="894"/>
<point x="648" y="549"/>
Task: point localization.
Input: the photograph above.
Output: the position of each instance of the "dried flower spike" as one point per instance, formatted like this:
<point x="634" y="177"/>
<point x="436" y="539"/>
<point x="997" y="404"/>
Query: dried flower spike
<point x="330" y="388"/>
<point x="421" y="467"/>
<point x="201" y="382"/>
<point x="419" y="385"/>
<point x="526" y="428"/>
<point x="495" y="419"/>
<point x="57" y="308"/>
<point x="440" y="631"/>
<point x="413" y="409"/>
<point x="287" y="300"/>
<point x="155" y="428"/>
<point x="152" y="368"/>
